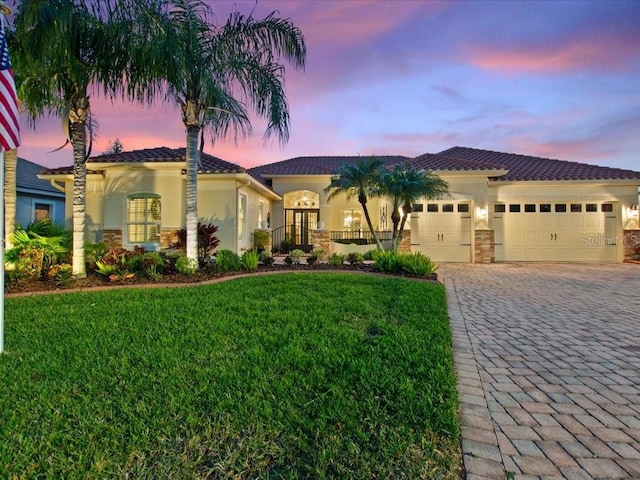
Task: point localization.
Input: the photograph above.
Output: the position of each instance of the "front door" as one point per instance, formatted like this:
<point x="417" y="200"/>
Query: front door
<point x="299" y="223"/>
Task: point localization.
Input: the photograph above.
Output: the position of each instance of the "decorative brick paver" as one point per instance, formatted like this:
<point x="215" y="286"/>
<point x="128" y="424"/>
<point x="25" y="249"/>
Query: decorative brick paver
<point x="548" y="361"/>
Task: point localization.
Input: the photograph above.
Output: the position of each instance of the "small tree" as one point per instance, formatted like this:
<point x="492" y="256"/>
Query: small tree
<point x="403" y="186"/>
<point x="114" y="147"/>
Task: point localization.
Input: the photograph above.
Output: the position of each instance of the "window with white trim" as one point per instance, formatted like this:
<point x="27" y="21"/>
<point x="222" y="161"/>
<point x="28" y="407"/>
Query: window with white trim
<point x="352" y="220"/>
<point x="144" y="218"/>
<point x="261" y="217"/>
<point x="242" y="216"/>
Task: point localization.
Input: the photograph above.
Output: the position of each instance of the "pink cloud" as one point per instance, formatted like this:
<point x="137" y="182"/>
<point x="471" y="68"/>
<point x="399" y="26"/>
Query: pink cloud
<point x="613" y="51"/>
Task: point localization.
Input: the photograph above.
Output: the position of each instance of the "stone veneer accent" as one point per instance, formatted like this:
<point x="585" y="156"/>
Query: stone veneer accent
<point x="405" y="242"/>
<point x="485" y="251"/>
<point x="269" y="246"/>
<point x="321" y="239"/>
<point x="112" y="238"/>
<point x="168" y="236"/>
<point x="631" y="242"/>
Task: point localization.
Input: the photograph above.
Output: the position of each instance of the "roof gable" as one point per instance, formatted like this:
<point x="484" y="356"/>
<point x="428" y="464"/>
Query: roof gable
<point x="529" y="168"/>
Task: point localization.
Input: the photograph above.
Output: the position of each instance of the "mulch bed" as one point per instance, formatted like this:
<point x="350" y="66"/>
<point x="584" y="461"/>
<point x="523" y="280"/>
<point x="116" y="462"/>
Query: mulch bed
<point x="95" y="281"/>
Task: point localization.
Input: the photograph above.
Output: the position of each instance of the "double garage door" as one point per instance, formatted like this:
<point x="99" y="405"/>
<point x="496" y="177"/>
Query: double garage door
<point x="555" y="231"/>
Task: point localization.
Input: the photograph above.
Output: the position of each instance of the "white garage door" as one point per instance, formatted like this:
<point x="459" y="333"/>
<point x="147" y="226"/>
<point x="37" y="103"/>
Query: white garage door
<point x="442" y="230"/>
<point x="555" y="231"/>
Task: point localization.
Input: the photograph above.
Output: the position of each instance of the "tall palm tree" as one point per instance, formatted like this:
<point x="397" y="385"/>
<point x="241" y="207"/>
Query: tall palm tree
<point x="358" y="179"/>
<point x="215" y="72"/>
<point x="10" y="167"/>
<point x="62" y="49"/>
<point x="403" y="186"/>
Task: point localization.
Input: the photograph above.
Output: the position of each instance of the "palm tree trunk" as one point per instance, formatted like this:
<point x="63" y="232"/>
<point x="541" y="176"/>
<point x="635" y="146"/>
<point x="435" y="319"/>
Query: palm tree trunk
<point x="370" y="224"/>
<point x="77" y="132"/>
<point x="192" y="191"/>
<point x="406" y="210"/>
<point x="10" y="165"/>
<point x="395" y="219"/>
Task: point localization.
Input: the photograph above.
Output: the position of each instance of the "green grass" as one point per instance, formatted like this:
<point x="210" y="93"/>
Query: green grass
<point x="290" y="376"/>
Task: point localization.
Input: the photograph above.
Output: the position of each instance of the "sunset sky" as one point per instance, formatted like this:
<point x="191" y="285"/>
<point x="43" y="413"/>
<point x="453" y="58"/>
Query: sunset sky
<point x="558" y="79"/>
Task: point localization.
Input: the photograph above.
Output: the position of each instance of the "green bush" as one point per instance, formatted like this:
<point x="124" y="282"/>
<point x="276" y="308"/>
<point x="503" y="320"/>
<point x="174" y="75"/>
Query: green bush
<point x="368" y="255"/>
<point x="149" y="264"/>
<point x="94" y="252"/>
<point x="355" y="258"/>
<point x="336" y="260"/>
<point x="296" y="256"/>
<point x="186" y="265"/>
<point x="266" y="258"/>
<point x="228" y="261"/>
<point x="387" y="261"/>
<point x="61" y="274"/>
<point x="418" y="264"/>
<point x="250" y="260"/>
<point x="261" y="239"/>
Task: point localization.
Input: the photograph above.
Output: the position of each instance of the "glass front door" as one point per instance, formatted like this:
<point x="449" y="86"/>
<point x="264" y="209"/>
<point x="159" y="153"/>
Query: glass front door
<point x="299" y="223"/>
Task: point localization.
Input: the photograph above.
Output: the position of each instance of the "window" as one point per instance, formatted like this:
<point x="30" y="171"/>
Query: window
<point x="463" y="208"/>
<point x="591" y="207"/>
<point x="42" y="211"/>
<point x="607" y="207"/>
<point x="351" y="220"/>
<point x="499" y="208"/>
<point x="560" y="207"/>
<point x="242" y="216"/>
<point x="530" y="207"/>
<point x="261" y="217"/>
<point x="576" y="207"/>
<point x="514" y="208"/>
<point x="545" y="208"/>
<point x="432" y="207"/>
<point x="417" y="207"/>
<point x="144" y="218"/>
<point x="447" y="207"/>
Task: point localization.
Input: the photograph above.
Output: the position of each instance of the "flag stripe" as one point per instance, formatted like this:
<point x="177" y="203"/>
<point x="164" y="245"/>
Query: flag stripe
<point x="9" y="123"/>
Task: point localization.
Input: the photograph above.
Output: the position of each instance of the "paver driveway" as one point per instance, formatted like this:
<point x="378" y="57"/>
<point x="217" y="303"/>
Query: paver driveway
<point x="548" y="362"/>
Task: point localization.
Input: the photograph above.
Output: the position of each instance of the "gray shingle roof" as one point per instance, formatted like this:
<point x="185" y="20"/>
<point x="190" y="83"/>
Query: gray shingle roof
<point x="528" y="168"/>
<point x="27" y="179"/>
<point x="208" y="163"/>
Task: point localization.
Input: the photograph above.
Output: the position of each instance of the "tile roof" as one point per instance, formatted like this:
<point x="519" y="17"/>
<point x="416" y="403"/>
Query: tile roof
<point x="430" y="161"/>
<point x="317" y="165"/>
<point x="208" y="163"/>
<point x="27" y="179"/>
<point x="529" y="168"/>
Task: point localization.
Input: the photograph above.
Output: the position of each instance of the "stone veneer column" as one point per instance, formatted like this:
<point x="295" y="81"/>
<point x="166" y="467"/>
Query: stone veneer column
<point x="405" y="242"/>
<point x="631" y="243"/>
<point x="269" y="246"/>
<point x="112" y="238"/>
<point x="168" y="237"/>
<point x="485" y="251"/>
<point x="321" y="239"/>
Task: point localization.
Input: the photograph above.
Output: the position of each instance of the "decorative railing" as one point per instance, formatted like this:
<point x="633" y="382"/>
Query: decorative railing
<point x="359" y="237"/>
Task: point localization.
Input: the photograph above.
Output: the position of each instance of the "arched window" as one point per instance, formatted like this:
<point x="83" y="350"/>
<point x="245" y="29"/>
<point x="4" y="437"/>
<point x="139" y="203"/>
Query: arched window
<point x="144" y="218"/>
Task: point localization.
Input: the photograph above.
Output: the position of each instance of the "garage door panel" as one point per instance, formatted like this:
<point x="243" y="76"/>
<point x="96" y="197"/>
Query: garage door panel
<point x="443" y="236"/>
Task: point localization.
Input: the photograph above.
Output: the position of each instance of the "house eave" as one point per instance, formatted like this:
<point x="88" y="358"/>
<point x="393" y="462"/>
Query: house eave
<point x="245" y="180"/>
<point x="592" y="182"/>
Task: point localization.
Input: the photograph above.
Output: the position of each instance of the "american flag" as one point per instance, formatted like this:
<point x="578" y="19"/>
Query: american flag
<point x="9" y="126"/>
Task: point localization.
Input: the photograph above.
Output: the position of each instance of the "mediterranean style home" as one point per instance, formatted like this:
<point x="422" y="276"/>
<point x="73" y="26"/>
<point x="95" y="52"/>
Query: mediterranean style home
<point x="501" y="207"/>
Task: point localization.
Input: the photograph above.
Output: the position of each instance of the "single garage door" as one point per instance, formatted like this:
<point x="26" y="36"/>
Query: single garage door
<point x="442" y="230"/>
<point x="555" y="231"/>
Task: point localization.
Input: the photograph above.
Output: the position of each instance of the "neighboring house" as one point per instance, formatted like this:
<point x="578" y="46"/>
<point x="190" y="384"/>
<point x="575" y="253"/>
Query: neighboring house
<point x="501" y="207"/>
<point x="138" y="198"/>
<point x="36" y="199"/>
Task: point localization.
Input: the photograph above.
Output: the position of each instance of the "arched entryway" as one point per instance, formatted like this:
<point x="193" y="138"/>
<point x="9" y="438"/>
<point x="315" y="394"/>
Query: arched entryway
<point x="301" y="216"/>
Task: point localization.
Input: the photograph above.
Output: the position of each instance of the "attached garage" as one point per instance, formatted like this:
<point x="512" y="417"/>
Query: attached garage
<point x="555" y="231"/>
<point x="442" y="230"/>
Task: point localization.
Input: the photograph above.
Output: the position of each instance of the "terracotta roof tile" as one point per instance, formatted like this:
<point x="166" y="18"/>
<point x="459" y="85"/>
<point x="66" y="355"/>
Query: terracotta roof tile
<point x="208" y="163"/>
<point x="430" y="161"/>
<point x="528" y="168"/>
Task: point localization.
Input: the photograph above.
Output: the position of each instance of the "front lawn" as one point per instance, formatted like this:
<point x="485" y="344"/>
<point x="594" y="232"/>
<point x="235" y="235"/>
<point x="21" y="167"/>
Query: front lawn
<point x="297" y="375"/>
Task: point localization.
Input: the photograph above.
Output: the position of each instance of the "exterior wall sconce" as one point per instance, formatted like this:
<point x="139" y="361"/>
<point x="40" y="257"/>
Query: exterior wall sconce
<point x="483" y="211"/>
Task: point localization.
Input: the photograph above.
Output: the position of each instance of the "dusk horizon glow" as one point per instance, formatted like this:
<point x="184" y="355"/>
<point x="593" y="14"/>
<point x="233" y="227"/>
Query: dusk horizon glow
<point x="550" y="79"/>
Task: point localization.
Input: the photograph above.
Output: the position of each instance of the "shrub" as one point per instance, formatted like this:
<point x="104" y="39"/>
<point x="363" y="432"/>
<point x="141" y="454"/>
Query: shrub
<point x="61" y="274"/>
<point x="286" y="245"/>
<point x="207" y="240"/>
<point x="355" y="258"/>
<point x="49" y="238"/>
<point x="387" y="261"/>
<point x="296" y="255"/>
<point x="249" y="260"/>
<point x="149" y="264"/>
<point x="186" y="265"/>
<point x="261" y="239"/>
<point x="336" y="260"/>
<point x="266" y="258"/>
<point x="368" y="255"/>
<point x="418" y="264"/>
<point x="228" y="261"/>
<point x="29" y="261"/>
<point x="94" y="252"/>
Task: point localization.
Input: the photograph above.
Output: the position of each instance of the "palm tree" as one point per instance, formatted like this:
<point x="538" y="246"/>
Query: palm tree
<point x="403" y="186"/>
<point x="10" y="166"/>
<point x="215" y="72"/>
<point x="358" y="179"/>
<point x="61" y="50"/>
